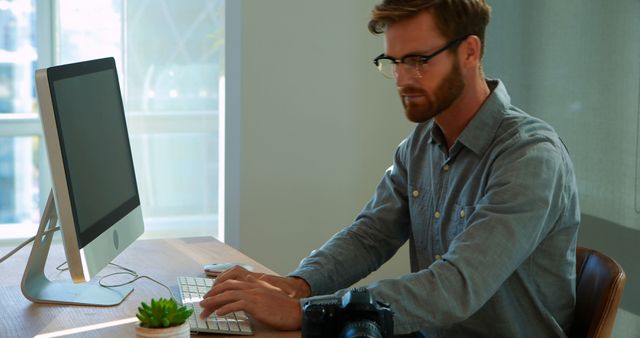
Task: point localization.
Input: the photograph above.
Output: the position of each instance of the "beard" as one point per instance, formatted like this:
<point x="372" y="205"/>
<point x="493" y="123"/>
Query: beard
<point x="421" y="106"/>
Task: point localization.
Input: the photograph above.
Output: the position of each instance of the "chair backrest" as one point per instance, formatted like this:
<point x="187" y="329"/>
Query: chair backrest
<point x="599" y="284"/>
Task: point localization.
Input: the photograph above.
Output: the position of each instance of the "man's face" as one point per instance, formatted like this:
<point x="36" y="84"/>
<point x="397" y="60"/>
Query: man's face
<point x="441" y="81"/>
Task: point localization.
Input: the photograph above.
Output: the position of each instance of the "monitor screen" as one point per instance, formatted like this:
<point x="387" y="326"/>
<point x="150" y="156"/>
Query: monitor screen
<point x="99" y="170"/>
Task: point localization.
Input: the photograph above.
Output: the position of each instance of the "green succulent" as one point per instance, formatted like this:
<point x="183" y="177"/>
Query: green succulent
<point x="162" y="313"/>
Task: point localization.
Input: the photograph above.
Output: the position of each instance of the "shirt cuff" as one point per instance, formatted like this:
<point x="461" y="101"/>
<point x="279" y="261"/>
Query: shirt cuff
<point x="313" y="279"/>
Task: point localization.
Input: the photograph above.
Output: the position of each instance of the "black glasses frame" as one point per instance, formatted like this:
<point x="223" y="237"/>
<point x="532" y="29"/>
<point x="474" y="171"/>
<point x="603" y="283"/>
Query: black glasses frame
<point x="423" y="58"/>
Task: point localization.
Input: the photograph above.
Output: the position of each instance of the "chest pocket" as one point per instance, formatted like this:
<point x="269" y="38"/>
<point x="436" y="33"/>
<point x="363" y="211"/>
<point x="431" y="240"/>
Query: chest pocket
<point x="459" y="220"/>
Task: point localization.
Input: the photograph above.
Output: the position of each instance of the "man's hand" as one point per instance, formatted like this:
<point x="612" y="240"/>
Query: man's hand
<point x="272" y="300"/>
<point x="292" y="286"/>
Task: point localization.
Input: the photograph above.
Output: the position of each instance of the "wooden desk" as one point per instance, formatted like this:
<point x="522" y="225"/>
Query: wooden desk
<point x="163" y="260"/>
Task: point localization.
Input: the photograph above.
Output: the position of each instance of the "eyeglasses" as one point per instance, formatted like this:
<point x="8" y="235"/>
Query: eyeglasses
<point x="412" y="63"/>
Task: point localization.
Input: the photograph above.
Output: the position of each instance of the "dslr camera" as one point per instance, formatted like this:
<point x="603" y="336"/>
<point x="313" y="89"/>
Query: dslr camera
<point x="356" y="314"/>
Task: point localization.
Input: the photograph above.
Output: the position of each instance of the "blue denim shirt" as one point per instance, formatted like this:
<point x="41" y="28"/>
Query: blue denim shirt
<point x="492" y="226"/>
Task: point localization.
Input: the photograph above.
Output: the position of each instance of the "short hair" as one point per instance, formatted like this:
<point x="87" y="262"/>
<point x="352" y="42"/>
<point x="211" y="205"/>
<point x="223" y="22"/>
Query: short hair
<point x="454" y="18"/>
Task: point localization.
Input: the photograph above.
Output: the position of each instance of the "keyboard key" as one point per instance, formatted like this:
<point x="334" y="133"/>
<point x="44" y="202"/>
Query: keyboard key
<point x="241" y="316"/>
<point x="201" y="323"/>
<point x="231" y="321"/>
<point x="244" y="326"/>
<point x="222" y="323"/>
<point x="213" y="324"/>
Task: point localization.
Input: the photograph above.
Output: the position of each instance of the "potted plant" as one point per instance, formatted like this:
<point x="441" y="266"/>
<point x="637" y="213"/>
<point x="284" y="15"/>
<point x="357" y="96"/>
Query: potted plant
<point x="163" y="318"/>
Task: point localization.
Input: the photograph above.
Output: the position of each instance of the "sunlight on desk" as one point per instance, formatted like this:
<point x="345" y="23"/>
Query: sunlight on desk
<point x="87" y="328"/>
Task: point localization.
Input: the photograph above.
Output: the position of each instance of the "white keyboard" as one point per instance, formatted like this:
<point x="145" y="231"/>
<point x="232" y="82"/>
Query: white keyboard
<point x="191" y="291"/>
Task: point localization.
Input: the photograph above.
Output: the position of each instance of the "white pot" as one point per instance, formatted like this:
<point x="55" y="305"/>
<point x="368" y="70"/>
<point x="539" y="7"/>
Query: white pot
<point x="180" y="331"/>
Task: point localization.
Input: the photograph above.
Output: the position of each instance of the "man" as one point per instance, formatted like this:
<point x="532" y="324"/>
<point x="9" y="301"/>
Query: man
<point x="484" y="193"/>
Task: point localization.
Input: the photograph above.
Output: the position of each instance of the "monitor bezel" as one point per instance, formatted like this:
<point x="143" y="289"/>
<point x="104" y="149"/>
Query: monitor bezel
<point x="57" y="73"/>
<point x="84" y="258"/>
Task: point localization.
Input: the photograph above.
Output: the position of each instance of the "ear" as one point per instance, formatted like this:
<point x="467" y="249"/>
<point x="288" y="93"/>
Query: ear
<point x="470" y="50"/>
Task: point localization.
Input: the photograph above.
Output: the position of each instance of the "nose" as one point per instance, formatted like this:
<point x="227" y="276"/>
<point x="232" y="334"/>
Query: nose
<point x="403" y="75"/>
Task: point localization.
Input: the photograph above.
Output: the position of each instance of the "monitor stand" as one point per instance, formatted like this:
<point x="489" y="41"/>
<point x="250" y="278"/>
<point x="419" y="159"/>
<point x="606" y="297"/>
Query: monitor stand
<point x="38" y="288"/>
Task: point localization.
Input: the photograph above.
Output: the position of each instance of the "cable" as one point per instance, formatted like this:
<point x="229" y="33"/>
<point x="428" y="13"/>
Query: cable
<point x="135" y="278"/>
<point x="23" y="244"/>
<point x="126" y="271"/>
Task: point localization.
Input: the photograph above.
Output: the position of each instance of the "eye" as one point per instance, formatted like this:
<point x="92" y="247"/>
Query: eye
<point x="414" y="61"/>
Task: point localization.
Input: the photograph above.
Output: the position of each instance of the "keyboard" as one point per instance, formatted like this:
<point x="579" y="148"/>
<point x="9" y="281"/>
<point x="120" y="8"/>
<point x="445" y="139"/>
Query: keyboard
<point x="191" y="291"/>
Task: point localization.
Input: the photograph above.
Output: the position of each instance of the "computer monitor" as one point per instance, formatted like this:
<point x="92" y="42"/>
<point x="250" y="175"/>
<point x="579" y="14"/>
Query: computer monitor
<point x="94" y="195"/>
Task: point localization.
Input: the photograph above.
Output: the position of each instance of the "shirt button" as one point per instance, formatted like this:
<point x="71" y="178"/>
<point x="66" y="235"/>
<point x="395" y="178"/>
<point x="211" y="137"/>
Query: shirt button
<point x="461" y="213"/>
<point x="415" y="193"/>
<point x="437" y="257"/>
<point x="437" y="214"/>
<point x="446" y="167"/>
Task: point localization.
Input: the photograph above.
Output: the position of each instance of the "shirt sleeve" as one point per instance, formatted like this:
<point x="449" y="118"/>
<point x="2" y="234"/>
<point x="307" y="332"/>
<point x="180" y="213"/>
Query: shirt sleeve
<point x="524" y="202"/>
<point x="377" y="233"/>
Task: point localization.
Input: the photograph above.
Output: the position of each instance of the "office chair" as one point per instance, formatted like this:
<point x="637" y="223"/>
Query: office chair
<point x="599" y="284"/>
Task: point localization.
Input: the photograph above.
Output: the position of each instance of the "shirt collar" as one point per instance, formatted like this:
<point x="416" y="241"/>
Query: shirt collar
<point x="480" y="131"/>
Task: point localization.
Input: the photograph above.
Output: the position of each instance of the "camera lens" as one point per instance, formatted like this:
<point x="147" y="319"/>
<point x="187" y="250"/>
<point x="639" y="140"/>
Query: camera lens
<point x="361" y="329"/>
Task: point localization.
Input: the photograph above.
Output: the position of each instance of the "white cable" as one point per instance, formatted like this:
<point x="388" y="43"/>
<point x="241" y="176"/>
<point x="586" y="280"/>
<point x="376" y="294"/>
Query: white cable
<point x="135" y="278"/>
<point x="23" y="244"/>
<point x="126" y="271"/>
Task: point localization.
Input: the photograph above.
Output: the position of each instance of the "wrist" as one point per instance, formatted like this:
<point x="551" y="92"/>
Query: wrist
<point x="301" y="287"/>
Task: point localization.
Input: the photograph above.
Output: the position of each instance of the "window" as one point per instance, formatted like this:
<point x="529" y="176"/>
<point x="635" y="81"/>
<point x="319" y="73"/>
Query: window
<point x="20" y="158"/>
<point x="170" y="62"/>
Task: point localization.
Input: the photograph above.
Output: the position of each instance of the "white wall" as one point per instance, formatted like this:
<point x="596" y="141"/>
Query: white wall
<point x="318" y="126"/>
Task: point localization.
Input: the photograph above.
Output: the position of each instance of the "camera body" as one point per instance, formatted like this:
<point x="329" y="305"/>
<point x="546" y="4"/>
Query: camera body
<point x="356" y="314"/>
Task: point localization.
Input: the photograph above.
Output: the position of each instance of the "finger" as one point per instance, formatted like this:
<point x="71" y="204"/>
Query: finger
<point x="236" y="272"/>
<point x="209" y="305"/>
<point x="212" y="304"/>
<point x="206" y="312"/>
<point x="230" y="285"/>
<point x="240" y="305"/>
<point x="223" y="298"/>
